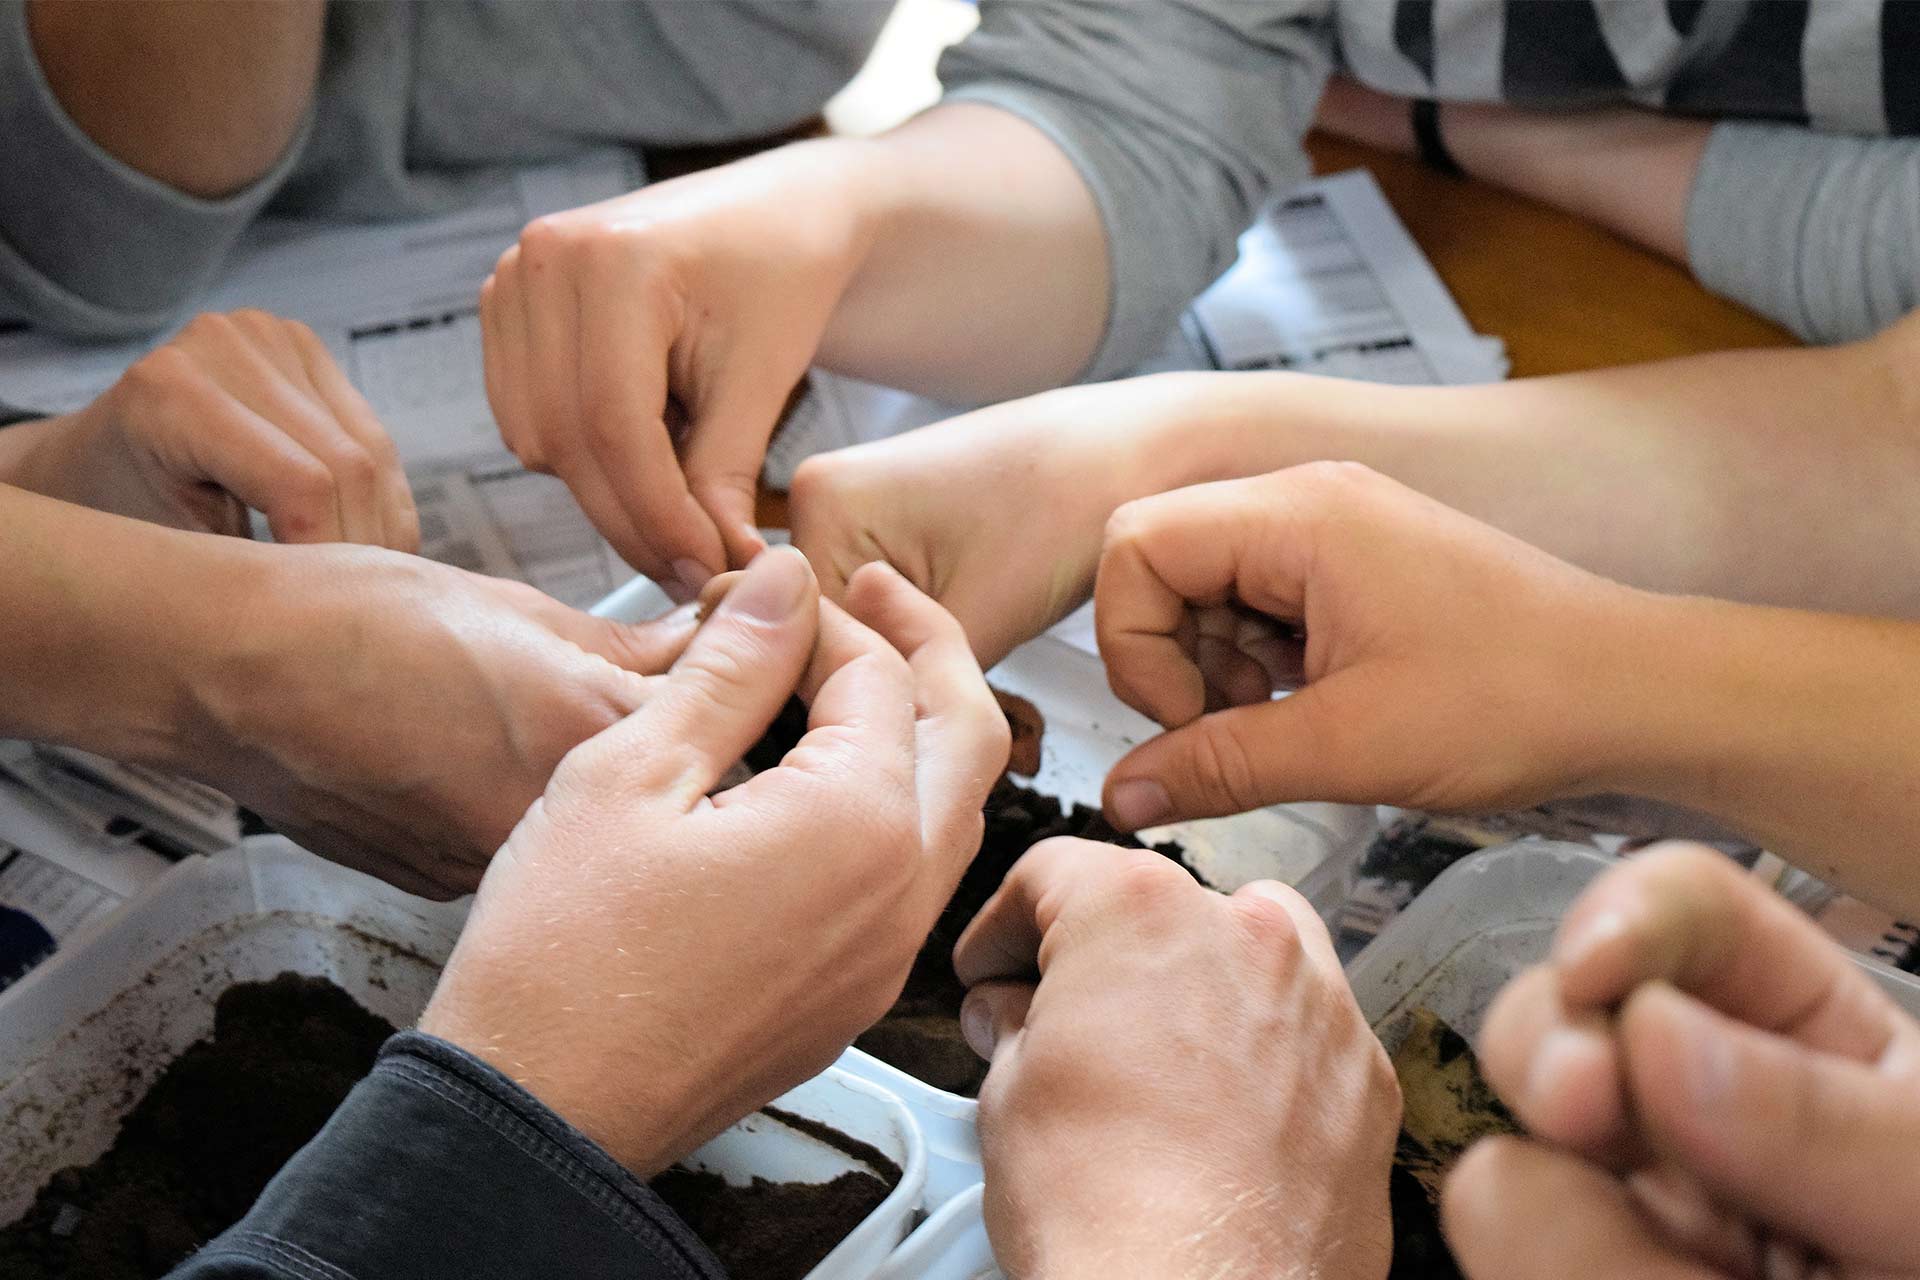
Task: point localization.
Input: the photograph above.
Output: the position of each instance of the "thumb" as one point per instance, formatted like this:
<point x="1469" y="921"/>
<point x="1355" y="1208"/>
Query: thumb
<point x="1229" y="762"/>
<point x="1814" y="1145"/>
<point x="993" y="1013"/>
<point x="735" y="676"/>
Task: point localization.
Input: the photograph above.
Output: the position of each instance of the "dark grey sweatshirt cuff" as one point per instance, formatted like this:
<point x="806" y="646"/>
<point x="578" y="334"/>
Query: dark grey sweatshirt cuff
<point x="89" y="245"/>
<point x="1819" y="232"/>
<point x="437" y="1167"/>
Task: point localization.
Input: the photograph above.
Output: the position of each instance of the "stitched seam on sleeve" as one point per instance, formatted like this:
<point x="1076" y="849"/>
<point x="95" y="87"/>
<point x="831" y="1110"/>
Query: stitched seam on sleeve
<point x="255" y="1248"/>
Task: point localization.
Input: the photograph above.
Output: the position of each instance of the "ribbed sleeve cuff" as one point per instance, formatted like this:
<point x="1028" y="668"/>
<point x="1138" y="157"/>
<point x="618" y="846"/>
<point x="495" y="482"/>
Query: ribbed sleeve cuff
<point x="89" y="245"/>
<point x="1819" y="232"/>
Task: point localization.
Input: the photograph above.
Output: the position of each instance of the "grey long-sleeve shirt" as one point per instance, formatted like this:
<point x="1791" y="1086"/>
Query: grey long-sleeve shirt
<point x="1183" y="114"/>
<point x="418" y="104"/>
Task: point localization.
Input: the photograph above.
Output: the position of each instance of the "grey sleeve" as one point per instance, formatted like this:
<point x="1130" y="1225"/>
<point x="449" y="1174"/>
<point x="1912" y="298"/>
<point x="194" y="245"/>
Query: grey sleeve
<point x="1181" y="115"/>
<point x="1820" y="232"/>
<point x="88" y="245"/>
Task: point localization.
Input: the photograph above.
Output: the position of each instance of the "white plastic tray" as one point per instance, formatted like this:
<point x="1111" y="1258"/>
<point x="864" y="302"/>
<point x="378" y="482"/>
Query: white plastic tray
<point x="84" y="1036"/>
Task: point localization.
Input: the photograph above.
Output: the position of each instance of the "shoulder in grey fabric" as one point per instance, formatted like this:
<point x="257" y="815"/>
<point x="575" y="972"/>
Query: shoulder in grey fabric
<point x="418" y="103"/>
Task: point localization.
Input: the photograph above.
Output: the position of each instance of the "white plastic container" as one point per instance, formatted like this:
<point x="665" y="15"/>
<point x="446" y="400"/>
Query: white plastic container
<point x="947" y="1123"/>
<point x="84" y="1036"/>
<point x="762" y="1146"/>
<point x="1480" y="923"/>
<point x="951" y="1245"/>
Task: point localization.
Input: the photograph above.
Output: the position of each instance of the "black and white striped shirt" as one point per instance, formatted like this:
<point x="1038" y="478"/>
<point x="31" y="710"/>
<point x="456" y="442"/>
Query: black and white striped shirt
<point x="1183" y="115"/>
<point x="1846" y="66"/>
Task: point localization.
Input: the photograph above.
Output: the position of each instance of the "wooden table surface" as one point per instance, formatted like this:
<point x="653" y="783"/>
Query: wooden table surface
<point x="1563" y="294"/>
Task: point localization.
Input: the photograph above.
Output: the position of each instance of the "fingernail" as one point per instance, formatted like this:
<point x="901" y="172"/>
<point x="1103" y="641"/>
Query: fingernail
<point x="771" y="588"/>
<point x="1588" y="937"/>
<point x="976" y="1025"/>
<point x="692" y="574"/>
<point x="1137" y="803"/>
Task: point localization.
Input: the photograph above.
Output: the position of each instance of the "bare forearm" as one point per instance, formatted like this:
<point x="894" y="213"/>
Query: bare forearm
<point x="988" y="275"/>
<point x="1801" y="730"/>
<point x="1786" y="478"/>
<point x="107" y="619"/>
<point x="204" y="95"/>
<point x="1629" y="171"/>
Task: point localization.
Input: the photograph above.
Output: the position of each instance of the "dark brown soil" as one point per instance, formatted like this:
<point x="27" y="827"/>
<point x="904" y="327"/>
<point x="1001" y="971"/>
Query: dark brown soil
<point x="212" y="1131"/>
<point x="921" y="1033"/>
<point x="770" y="1230"/>
<point x="197" y="1150"/>
<point x="780" y="1230"/>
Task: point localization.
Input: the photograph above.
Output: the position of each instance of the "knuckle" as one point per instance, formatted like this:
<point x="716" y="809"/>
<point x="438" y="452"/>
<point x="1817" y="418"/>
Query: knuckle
<point x="354" y="465"/>
<point x="1144" y="884"/>
<point x="1266" y="924"/>
<point x="160" y="373"/>
<point x="817" y="479"/>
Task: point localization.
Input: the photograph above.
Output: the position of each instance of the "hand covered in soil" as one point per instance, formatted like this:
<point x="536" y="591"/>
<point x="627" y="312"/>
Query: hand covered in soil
<point x="1713" y="1089"/>
<point x="399" y="715"/>
<point x="236" y="411"/>
<point x="1189" y="1089"/>
<point x="996" y="514"/>
<point x="1438" y="661"/>
<point x="642" y="349"/>
<point x="655" y="961"/>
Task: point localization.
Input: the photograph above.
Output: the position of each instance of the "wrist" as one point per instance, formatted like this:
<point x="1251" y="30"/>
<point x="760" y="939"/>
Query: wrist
<point x="233" y="673"/>
<point x="33" y="454"/>
<point x="1662" y="685"/>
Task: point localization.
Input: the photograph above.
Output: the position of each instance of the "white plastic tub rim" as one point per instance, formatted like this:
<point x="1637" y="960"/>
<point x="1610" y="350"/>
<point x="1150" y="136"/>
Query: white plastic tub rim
<point x="84" y="1036"/>
<point x="762" y="1146"/>
<point x="947" y="1121"/>
<point x="1480" y="923"/>
<point x="951" y="1245"/>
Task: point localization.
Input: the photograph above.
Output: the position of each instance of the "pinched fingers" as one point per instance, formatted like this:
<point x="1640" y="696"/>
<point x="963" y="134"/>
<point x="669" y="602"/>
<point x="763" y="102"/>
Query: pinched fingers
<point x="1517" y="1210"/>
<point x="1691" y="917"/>
<point x="1814" y="1145"/>
<point x="728" y="685"/>
<point x="961" y="733"/>
<point x="1559" y="1070"/>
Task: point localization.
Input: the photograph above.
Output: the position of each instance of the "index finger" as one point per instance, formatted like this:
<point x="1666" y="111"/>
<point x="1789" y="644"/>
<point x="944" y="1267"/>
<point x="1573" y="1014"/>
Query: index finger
<point x="962" y="735"/>
<point x="1203" y="546"/>
<point x="623" y="400"/>
<point x="1690" y="916"/>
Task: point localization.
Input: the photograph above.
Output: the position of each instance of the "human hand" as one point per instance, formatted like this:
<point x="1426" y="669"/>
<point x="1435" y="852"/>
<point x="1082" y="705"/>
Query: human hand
<point x="236" y="411"/>
<point x="1189" y="1088"/>
<point x="1439" y="661"/>
<point x="643" y="348"/>
<point x="654" y="962"/>
<point x="1713" y="1090"/>
<point x="398" y="715"/>
<point x="997" y="514"/>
